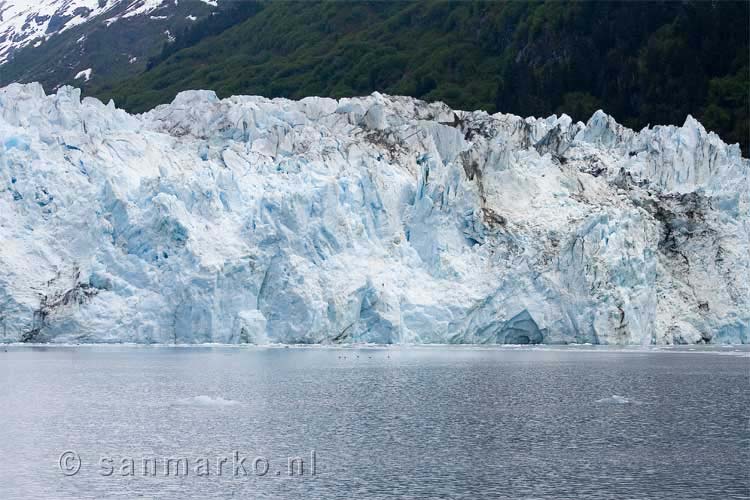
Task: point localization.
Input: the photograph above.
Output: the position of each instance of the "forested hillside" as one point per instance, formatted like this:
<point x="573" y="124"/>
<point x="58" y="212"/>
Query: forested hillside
<point x="644" y="63"/>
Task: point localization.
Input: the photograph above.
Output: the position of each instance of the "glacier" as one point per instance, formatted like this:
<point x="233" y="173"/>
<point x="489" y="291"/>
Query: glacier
<point x="375" y="219"/>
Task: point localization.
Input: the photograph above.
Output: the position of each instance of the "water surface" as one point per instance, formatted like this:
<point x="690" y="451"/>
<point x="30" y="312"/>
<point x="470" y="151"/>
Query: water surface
<point x="442" y="422"/>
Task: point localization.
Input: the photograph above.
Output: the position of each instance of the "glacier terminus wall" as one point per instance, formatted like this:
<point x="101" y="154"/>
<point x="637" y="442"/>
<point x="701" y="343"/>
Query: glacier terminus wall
<point x="375" y="219"/>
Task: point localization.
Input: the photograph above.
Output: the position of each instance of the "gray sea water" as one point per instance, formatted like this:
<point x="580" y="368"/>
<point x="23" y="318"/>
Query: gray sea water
<point x="428" y="422"/>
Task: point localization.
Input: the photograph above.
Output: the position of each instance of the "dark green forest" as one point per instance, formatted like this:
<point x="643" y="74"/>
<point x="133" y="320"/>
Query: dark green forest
<point x="642" y="62"/>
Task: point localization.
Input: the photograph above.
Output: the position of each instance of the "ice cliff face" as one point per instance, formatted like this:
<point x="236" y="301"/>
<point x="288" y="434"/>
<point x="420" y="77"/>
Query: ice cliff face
<point x="381" y="219"/>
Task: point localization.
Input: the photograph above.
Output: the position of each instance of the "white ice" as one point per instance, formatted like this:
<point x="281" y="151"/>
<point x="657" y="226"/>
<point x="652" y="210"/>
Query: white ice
<point x="375" y="219"/>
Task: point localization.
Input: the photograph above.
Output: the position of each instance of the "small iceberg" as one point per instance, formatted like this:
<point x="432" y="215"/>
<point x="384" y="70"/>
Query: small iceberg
<point x="615" y="399"/>
<point x="204" y="400"/>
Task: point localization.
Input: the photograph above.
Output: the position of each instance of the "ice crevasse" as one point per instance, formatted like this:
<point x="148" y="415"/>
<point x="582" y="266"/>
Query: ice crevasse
<point x="374" y="219"/>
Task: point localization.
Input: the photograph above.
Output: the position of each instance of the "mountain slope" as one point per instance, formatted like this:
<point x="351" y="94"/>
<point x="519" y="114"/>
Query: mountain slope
<point x="23" y="22"/>
<point x="646" y="63"/>
<point x="378" y="219"/>
<point x="57" y="42"/>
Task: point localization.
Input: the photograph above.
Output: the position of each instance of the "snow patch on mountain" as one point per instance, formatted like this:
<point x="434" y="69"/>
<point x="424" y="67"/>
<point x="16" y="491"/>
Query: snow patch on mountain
<point x="377" y="219"/>
<point x="85" y="74"/>
<point x="25" y="21"/>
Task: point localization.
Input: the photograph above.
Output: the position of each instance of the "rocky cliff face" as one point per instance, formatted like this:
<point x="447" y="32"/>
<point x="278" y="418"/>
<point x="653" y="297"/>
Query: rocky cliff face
<point x="378" y="219"/>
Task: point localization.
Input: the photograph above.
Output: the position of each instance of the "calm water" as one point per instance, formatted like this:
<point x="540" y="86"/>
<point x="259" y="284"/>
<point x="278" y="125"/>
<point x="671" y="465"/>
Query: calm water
<point x="384" y="423"/>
